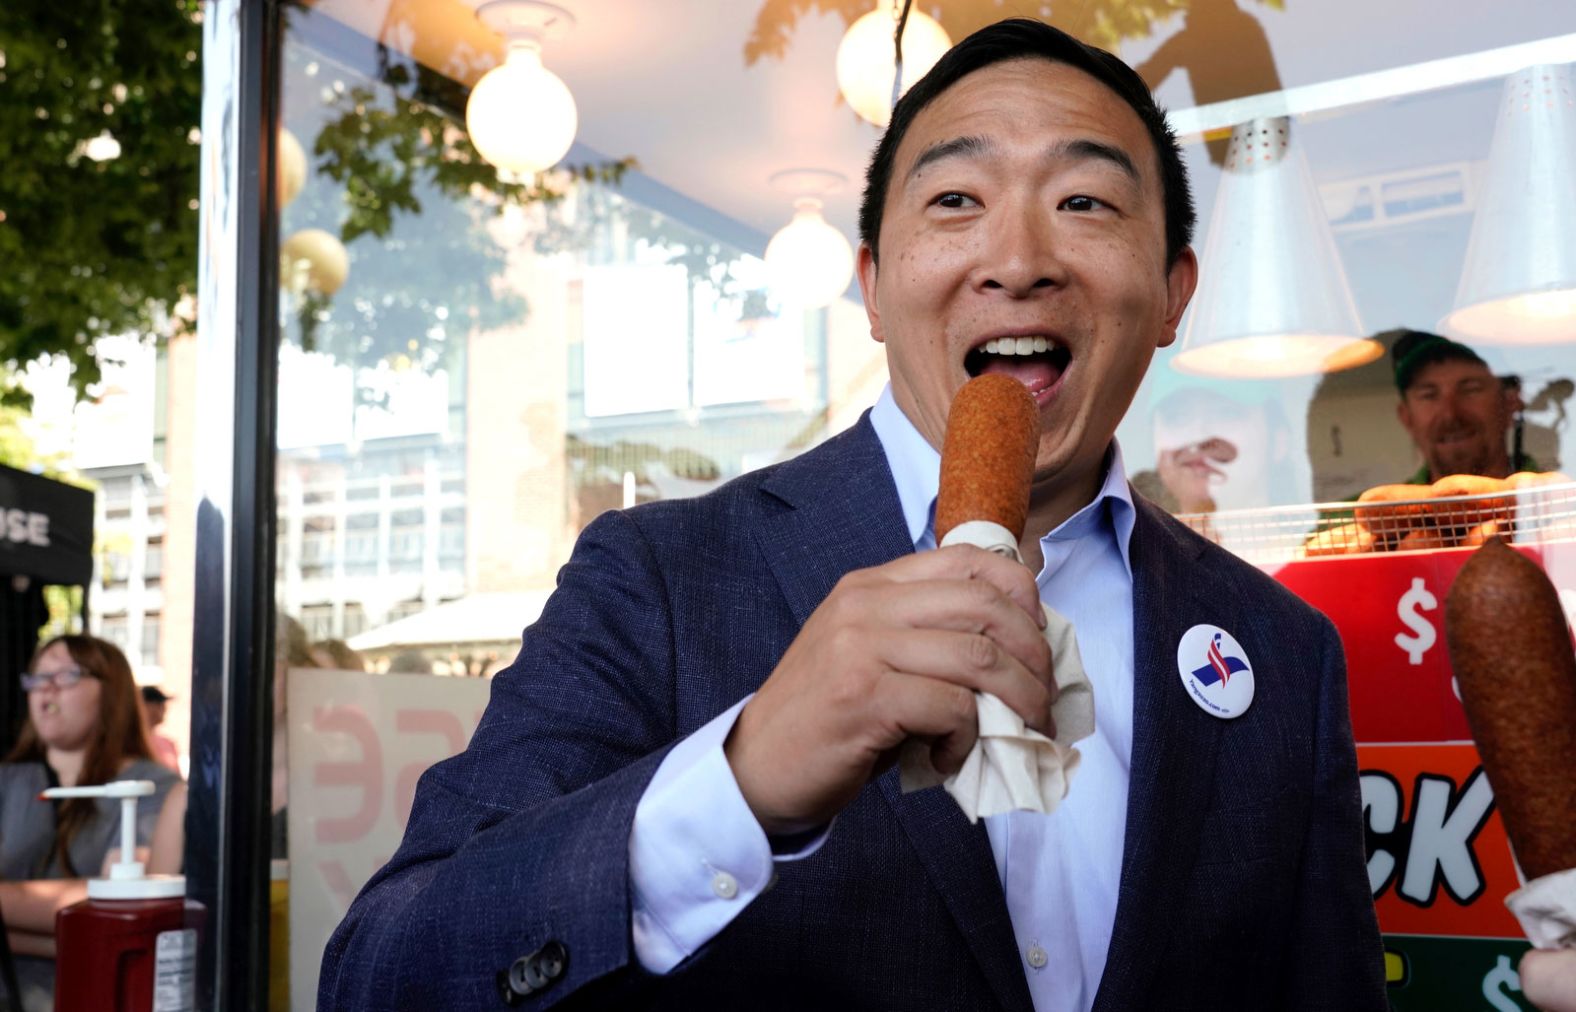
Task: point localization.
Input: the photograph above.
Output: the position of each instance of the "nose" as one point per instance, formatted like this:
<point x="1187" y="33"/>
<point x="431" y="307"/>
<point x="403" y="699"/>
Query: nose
<point x="1450" y="406"/>
<point x="1022" y="255"/>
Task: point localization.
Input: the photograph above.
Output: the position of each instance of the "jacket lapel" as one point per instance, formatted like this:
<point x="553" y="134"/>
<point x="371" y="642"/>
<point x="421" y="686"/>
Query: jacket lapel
<point x="844" y="514"/>
<point x="1173" y="762"/>
<point x="956" y="855"/>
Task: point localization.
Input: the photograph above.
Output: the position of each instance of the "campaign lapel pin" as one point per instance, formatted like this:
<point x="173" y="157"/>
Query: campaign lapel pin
<point x="1215" y="671"/>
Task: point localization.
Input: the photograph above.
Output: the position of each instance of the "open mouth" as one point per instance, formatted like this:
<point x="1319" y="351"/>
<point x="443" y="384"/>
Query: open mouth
<point x="1037" y="362"/>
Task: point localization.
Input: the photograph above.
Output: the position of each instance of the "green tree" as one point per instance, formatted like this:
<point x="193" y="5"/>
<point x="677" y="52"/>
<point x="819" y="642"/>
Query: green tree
<point x="95" y="247"/>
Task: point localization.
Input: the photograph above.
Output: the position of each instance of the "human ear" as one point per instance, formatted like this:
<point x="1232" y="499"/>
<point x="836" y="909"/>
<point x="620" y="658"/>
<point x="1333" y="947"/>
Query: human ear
<point x="865" y="266"/>
<point x="1181" y="280"/>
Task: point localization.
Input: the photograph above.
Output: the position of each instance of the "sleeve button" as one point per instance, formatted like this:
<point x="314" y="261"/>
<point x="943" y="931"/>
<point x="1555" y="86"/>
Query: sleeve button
<point x="724" y="885"/>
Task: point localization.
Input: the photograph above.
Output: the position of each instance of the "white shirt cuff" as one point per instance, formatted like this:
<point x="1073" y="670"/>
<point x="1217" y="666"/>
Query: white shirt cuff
<point x="697" y="857"/>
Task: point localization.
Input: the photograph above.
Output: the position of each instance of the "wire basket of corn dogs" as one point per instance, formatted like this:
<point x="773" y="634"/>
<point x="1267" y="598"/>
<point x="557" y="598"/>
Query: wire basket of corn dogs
<point x="1458" y="511"/>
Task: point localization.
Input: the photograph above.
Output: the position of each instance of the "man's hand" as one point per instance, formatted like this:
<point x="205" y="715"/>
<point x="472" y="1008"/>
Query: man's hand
<point x="1548" y="979"/>
<point x="894" y="652"/>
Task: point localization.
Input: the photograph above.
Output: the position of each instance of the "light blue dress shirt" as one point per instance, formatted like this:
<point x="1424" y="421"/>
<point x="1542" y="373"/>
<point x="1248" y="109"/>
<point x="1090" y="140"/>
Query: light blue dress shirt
<point x="698" y="857"/>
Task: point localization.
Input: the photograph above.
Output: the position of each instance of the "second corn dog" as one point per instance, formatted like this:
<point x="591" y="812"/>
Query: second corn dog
<point x="1513" y="660"/>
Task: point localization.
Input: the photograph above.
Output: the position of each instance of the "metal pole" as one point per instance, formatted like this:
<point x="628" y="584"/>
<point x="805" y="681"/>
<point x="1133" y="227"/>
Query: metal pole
<point x="227" y="818"/>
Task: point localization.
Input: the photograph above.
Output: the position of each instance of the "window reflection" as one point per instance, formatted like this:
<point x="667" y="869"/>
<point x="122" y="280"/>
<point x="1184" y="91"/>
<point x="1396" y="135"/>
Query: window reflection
<point x="477" y="375"/>
<point x="469" y="373"/>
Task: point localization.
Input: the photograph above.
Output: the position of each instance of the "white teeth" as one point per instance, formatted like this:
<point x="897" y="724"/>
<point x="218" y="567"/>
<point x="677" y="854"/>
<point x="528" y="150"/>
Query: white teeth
<point x="1017" y="346"/>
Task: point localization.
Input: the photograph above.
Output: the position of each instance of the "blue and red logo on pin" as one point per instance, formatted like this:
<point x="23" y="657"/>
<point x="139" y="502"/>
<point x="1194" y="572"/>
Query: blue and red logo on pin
<point x="1223" y="685"/>
<point x="1221" y="665"/>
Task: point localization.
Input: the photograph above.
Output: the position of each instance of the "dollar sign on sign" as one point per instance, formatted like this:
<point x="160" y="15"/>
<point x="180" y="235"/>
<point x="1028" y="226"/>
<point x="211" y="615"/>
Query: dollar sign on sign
<point x="1499" y="980"/>
<point x="1423" y="635"/>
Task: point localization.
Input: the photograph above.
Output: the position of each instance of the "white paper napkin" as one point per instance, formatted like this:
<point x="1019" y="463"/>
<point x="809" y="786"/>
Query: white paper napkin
<point x="1546" y="908"/>
<point x="1013" y="767"/>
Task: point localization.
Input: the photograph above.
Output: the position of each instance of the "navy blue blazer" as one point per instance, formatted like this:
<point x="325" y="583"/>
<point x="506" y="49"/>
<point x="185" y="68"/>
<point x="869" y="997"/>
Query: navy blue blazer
<point x="1243" y="878"/>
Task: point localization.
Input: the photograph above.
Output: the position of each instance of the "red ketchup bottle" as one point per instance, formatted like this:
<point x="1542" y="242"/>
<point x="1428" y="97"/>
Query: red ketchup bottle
<point x="131" y="946"/>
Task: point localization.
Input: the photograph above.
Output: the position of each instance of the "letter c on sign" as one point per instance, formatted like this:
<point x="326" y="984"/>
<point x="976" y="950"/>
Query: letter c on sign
<point x="1381" y="814"/>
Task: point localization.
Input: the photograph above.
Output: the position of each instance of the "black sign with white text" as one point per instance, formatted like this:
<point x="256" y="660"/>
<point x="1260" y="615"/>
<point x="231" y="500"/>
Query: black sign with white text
<point x="46" y="528"/>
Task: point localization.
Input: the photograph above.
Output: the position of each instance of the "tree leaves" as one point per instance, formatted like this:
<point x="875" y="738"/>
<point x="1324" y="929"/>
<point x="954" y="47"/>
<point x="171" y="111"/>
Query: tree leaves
<point x="95" y="248"/>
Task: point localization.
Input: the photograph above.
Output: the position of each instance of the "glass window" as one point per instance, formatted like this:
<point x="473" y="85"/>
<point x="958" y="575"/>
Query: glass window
<point x="117" y="568"/>
<point x="150" y="639"/>
<point x="116" y="629"/>
<point x="153" y="561"/>
<point x="318" y="621"/>
<point x="474" y="366"/>
<point x="563" y="357"/>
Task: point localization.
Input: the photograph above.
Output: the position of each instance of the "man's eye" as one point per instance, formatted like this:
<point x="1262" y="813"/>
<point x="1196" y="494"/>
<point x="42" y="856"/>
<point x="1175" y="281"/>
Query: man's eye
<point x="954" y="200"/>
<point x="1083" y="203"/>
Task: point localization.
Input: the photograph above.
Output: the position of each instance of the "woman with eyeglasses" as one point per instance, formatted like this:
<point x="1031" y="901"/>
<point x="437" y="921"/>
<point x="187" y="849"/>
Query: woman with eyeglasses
<point x="84" y="726"/>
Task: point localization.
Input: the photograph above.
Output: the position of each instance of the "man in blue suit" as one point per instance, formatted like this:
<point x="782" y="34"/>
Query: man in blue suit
<point x="681" y="794"/>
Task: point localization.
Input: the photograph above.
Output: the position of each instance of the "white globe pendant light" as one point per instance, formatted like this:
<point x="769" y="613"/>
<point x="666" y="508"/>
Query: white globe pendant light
<point x="289" y="167"/>
<point x="866" y="58"/>
<point x="313" y="260"/>
<point x="520" y="115"/>
<point x="809" y="263"/>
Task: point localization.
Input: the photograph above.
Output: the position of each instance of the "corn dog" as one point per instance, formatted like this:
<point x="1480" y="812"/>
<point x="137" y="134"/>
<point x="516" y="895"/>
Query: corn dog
<point x="1512" y="656"/>
<point x="987" y="457"/>
<point x="1347" y="539"/>
<point x="1385" y="522"/>
<point x="1471" y="514"/>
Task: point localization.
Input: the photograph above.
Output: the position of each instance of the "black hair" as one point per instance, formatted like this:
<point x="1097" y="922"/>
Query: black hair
<point x="1023" y="38"/>
<point x="1415" y="350"/>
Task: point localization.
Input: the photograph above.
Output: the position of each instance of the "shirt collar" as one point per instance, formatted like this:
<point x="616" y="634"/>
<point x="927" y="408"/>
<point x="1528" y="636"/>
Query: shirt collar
<point x="916" y="469"/>
<point x="915" y="464"/>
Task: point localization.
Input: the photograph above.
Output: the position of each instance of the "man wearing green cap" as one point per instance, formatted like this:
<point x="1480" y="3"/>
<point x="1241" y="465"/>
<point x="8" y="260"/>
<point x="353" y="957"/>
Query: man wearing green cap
<point x="1456" y="410"/>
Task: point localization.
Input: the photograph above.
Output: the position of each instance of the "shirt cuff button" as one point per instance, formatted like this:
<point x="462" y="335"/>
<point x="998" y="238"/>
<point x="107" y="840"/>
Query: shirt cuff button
<point x="724" y="885"/>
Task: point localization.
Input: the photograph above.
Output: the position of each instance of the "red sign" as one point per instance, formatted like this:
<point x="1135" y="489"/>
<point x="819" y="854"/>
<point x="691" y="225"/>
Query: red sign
<point x="1390" y="612"/>
<point x="1438" y="860"/>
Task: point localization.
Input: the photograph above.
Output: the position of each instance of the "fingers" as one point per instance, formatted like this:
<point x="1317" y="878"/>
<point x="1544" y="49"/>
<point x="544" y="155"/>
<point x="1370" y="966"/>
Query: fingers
<point x="1548" y="979"/>
<point x="941" y="712"/>
<point x="965" y="562"/>
<point x="977" y="663"/>
<point x="971" y="607"/>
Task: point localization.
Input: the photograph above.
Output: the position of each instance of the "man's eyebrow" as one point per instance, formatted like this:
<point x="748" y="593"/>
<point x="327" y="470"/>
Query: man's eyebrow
<point x="957" y="147"/>
<point x="1084" y="149"/>
<point x="1080" y="149"/>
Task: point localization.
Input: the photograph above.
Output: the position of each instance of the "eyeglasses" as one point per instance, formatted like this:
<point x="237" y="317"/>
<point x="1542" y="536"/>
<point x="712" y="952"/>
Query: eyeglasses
<point x="65" y="678"/>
